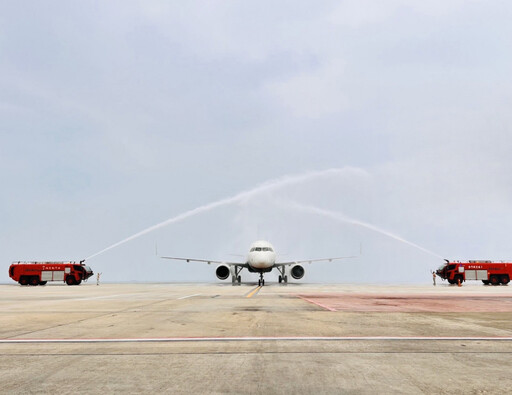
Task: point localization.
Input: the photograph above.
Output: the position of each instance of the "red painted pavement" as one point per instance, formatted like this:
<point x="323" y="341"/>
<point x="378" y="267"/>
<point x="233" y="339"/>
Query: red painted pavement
<point x="410" y="303"/>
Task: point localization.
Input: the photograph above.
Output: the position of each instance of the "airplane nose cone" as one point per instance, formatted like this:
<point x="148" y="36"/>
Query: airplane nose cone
<point x="261" y="260"/>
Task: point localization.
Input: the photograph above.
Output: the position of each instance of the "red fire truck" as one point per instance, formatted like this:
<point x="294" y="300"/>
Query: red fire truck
<point x="39" y="273"/>
<point x="489" y="272"/>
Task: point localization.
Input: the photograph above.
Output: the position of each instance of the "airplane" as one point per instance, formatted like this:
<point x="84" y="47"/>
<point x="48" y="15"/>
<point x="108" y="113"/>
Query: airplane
<point x="260" y="259"/>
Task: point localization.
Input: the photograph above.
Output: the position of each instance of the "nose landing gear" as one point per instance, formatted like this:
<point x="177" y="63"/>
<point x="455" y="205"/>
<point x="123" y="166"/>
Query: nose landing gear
<point x="261" y="281"/>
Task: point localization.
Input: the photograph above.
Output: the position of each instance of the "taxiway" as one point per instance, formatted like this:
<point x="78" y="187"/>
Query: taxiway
<point x="218" y="338"/>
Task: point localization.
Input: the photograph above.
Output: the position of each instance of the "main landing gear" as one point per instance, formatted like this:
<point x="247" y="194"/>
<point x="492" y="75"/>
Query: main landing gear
<point x="282" y="276"/>
<point x="236" y="279"/>
<point x="261" y="281"/>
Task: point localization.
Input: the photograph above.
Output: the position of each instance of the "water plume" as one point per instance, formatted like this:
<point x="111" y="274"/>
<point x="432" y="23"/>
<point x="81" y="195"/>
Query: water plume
<point x="241" y="197"/>
<point x="337" y="216"/>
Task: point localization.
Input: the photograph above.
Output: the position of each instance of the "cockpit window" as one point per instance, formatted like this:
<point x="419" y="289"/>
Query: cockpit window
<point x="261" y="249"/>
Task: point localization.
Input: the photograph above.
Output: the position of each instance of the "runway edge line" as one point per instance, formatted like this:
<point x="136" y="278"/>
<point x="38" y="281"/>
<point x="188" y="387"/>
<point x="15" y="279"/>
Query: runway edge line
<point x="253" y="339"/>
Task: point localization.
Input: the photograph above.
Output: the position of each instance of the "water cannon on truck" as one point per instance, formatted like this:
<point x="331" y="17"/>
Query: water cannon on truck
<point x="488" y="272"/>
<point x="39" y="273"/>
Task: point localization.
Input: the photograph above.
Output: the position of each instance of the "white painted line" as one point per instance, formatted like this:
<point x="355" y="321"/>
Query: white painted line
<point x="103" y="297"/>
<point x="254" y="339"/>
<point x="188" y="296"/>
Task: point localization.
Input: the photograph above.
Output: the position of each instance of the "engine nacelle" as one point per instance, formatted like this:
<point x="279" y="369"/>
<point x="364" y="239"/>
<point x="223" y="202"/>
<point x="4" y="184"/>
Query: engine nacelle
<point x="297" y="272"/>
<point x="222" y="272"/>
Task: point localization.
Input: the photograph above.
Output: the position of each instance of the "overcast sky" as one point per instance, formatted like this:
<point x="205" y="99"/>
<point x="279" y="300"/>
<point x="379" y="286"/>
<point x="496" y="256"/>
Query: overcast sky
<point x="117" y="115"/>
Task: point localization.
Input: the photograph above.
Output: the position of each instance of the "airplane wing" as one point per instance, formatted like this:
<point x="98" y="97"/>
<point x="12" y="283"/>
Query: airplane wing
<point x="208" y="261"/>
<point x="313" y="260"/>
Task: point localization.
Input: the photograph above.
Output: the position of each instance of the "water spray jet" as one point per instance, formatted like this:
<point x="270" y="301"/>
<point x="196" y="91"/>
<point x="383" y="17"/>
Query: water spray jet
<point x="343" y="218"/>
<point x="239" y="198"/>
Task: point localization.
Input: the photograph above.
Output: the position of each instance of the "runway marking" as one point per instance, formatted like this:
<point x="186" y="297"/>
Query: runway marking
<point x="253" y="292"/>
<point x="188" y="296"/>
<point x="259" y="338"/>
<point x="317" y="303"/>
<point x="106" y="297"/>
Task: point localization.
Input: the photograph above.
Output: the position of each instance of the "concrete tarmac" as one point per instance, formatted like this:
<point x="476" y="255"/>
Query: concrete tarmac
<point x="219" y="338"/>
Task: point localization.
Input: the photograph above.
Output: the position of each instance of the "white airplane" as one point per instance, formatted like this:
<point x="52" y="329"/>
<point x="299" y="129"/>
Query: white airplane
<point x="260" y="259"/>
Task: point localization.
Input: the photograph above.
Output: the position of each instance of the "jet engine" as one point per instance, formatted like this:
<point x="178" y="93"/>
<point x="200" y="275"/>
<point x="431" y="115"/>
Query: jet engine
<point x="222" y="272"/>
<point x="297" y="272"/>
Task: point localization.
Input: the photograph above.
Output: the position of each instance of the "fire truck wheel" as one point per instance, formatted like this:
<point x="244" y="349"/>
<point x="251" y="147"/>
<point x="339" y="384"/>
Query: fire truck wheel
<point x="78" y="282"/>
<point x="494" y="280"/>
<point x="34" y="281"/>
<point x="451" y="281"/>
<point x="458" y="278"/>
<point x="486" y="282"/>
<point x="23" y="280"/>
<point x="70" y="280"/>
<point x="504" y="279"/>
<point x="42" y="282"/>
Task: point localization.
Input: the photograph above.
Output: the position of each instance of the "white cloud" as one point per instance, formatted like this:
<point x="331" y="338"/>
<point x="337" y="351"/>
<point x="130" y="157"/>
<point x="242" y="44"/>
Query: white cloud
<point x="312" y="94"/>
<point x="362" y="13"/>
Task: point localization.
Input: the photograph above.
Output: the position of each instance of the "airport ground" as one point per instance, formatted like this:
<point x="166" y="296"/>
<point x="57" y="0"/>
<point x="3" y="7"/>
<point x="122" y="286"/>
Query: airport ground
<point x="218" y="338"/>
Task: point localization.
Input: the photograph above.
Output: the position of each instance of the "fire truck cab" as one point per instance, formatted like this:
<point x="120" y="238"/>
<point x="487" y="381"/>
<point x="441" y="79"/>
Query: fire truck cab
<point x="39" y="273"/>
<point x="488" y="272"/>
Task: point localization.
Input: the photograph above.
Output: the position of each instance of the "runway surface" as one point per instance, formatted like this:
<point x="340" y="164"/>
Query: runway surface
<point x="218" y="338"/>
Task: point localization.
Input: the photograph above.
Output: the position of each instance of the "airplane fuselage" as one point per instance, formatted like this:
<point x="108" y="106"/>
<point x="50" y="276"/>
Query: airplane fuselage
<point x="261" y="256"/>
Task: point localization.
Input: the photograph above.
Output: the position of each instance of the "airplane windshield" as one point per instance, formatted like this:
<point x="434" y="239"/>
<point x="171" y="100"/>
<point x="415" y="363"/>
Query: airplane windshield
<point x="261" y="249"/>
